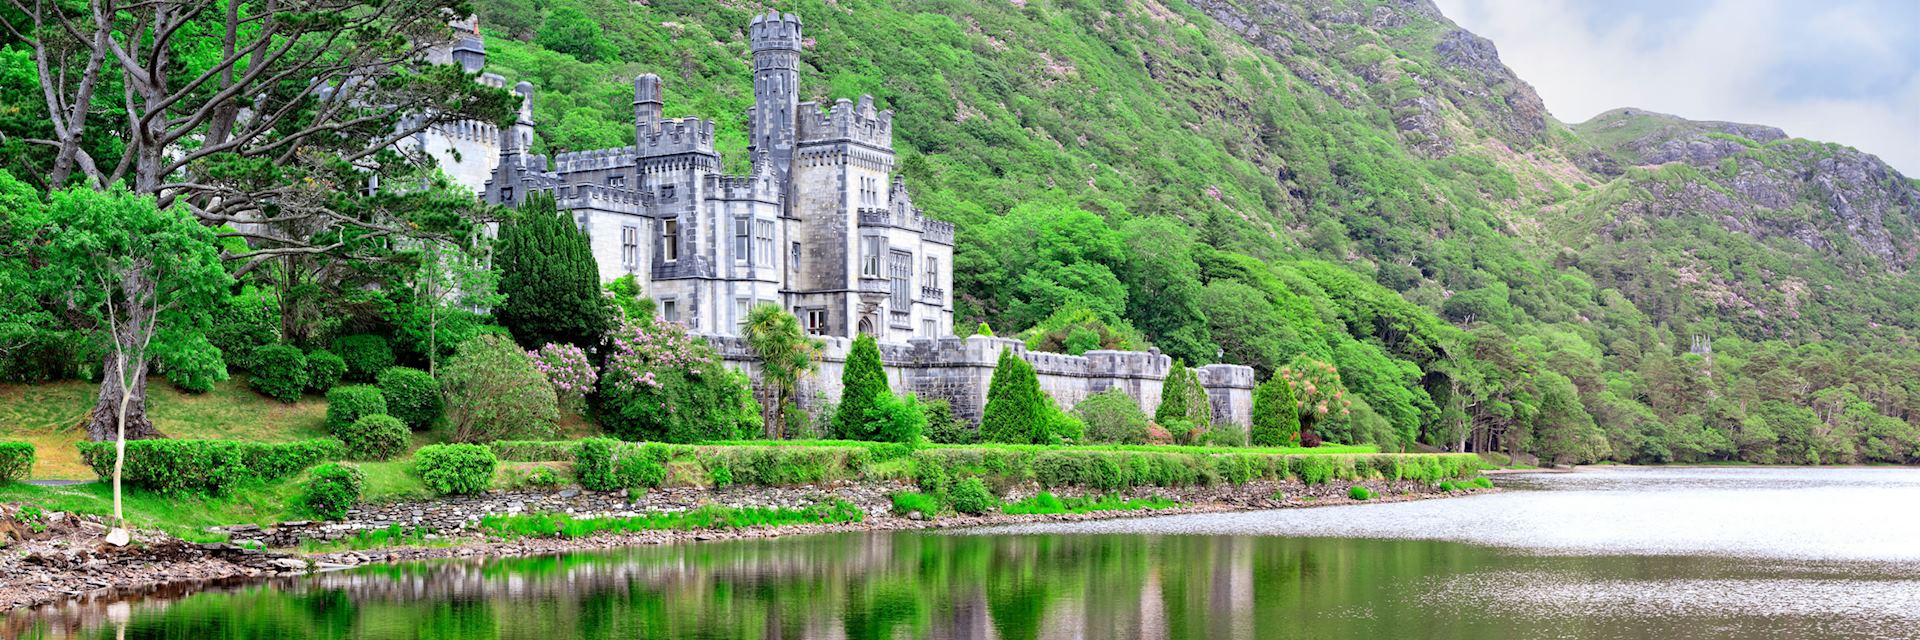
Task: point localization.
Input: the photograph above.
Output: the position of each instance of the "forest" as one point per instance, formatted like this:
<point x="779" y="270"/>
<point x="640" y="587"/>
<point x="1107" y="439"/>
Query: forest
<point x="1123" y="174"/>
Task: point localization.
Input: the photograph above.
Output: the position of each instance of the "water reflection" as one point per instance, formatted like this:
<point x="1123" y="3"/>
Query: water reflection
<point x="1045" y="585"/>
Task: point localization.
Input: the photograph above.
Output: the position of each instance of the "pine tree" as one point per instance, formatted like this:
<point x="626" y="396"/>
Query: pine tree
<point x="1017" y="410"/>
<point x="549" y="278"/>
<point x="1276" y="420"/>
<point x="862" y="383"/>
<point x="1173" y="395"/>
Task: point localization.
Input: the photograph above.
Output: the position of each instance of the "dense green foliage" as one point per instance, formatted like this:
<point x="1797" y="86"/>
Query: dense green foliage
<point x="279" y="372"/>
<point x="333" y="490"/>
<point x="945" y="428"/>
<point x="834" y="511"/>
<point x="593" y="463"/>
<point x="455" y="468"/>
<point x="786" y="355"/>
<point x="210" y="466"/>
<point x="1276" y="419"/>
<point x="375" y="437"/>
<point x="365" y="355"/>
<point x="663" y="385"/>
<point x="863" y="382"/>
<point x="893" y="418"/>
<point x="324" y="370"/>
<point x="971" y="497"/>
<point x="1047" y="503"/>
<point x="412" y="396"/>
<point x="1017" y="410"/>
<point x="492" y="391"/>
<point x="550" y="279"/>
<point x="1182" y="399"/>
<point x="16" y="461"/>
<point x="1112" y="417"/>
<point x="345" y="405"/>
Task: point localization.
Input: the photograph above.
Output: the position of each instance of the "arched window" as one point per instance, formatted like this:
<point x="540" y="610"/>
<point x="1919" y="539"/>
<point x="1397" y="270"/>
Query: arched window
<point x="866" y="326"/>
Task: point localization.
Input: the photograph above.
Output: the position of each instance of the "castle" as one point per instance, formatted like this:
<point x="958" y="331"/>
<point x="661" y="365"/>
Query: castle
<point x="819" y="226"/>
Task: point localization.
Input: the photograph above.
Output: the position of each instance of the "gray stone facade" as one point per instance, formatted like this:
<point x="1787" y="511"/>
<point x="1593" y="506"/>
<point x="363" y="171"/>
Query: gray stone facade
<point x="959" y="371"/>
<point x="820" y="226"/>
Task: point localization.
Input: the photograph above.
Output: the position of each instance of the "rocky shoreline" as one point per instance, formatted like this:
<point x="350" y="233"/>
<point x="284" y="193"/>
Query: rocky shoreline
<point x="69" y="563"/>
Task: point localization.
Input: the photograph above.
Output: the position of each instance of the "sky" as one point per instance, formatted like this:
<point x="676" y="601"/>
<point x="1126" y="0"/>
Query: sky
<point x="1845" y="71"/>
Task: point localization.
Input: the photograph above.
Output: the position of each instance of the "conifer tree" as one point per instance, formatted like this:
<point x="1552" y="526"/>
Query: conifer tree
<point x="862" y="383"/>
<point x="1173" y="395"/>
<point x="549" y="278"/>
<point x="1017" y="410"/>
<point x="1276" y="420"/>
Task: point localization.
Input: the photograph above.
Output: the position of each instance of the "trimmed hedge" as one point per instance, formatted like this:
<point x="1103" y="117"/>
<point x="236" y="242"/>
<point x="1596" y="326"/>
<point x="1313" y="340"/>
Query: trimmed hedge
<point x="279" y="372"/>
<point x="376" y="437"/>
<point x="455" y="468"/>
<point x="365" y="355"/>
<point x="412" y="396"/>
<point x="536" y="450"/>
<point x="16" y="461"/>
<point x="345" y="405"/>
<point x="324" y="370"/>
<point x="333" y="490"/>
<point x="212" y="466"/>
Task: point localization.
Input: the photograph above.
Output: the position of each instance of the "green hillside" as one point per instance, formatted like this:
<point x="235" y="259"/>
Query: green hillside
<point x="1351" y="180"/>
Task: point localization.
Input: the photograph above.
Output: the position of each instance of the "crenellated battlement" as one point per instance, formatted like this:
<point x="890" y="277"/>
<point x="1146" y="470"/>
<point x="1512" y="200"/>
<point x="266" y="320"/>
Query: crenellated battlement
<point x="682" y="135"/>
<point x="594" y="160"/>
<point x="759" y="186"/>
<point x="846" y="120"/>
<point x="774" y="31"/>
<point x="602" y="198"/>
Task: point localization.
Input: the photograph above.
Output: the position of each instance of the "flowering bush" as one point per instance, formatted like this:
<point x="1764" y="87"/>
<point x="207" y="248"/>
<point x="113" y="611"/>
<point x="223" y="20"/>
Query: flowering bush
<point x="1317" y="394"/>
<point x="568" y="370"/>
<point x="662" y="385"/>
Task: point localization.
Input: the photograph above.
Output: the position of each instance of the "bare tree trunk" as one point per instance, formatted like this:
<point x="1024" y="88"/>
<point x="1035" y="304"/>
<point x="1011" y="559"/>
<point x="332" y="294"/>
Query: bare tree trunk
<point x="102" y="426"/>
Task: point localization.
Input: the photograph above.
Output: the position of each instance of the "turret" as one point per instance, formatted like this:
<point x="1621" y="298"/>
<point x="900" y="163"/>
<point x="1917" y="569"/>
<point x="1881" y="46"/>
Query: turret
<point x="647" y="102"/>
<point x="775" y="39"/>
<point x="519" y="139"/>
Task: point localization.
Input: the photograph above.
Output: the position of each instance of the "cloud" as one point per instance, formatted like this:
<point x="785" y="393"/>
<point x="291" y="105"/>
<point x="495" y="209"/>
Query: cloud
<point x="1846" y="72"/>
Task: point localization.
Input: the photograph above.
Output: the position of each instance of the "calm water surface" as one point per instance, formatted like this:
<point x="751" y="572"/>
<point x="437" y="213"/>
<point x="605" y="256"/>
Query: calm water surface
<point x="1630" y="553"/>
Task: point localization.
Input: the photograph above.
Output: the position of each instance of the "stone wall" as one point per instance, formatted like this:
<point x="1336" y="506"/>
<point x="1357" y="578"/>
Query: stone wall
<point x="959" y="371"/>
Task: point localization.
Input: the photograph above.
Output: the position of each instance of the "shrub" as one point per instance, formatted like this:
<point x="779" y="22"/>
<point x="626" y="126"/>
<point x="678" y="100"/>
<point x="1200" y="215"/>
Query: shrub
<point x="1358" y="492"/>
<point x="640" y="472"/>
<point x="212" y="466"/>
<point x="863" y="383"/>
<point x="192" y="363"/>
<point x="907" y="502"/>
<point x="568" y="370"/>
<point x="493" y="392"/>
<point x="944" y="428"/>
<point x="332" y="491"/>
<point x="593" y="464"/>
<point x="894" y="418"/>
<point x="930" y="475"/>
<point x="243" y="324"/>
<point x="662" y="385"/>
<point x="324" y="370"/>
<point x="279" y="372"/>
<point x="719" y="475"/>
<point x="412" y="396"/>
<point x="1314" y="469"/>
<point x="348" y="404"/>
<point x="455" y="468"/>
<point x="375" y="437"/>
<point x="1447" y="486"/>
<point x="533" y="450"/>
<point x="1182" y="398"/>
<point x="16" y="461"/>
<point x="971" y="497"/>
<point x="1112" y="417"/>
<point x="1483" y="483"/>
<point x="1157" y="434"/>
<point x="1276" y="420"/>
<point x="1017" y="410"/>
<point x="365" y="356"/>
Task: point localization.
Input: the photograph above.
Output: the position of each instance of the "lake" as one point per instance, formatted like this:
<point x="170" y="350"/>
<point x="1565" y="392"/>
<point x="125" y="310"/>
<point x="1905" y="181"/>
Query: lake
<point x="1673" y="553"/>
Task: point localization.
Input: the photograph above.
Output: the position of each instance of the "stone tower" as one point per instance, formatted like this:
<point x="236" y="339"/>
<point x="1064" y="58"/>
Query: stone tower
<point x="775" y="41"/>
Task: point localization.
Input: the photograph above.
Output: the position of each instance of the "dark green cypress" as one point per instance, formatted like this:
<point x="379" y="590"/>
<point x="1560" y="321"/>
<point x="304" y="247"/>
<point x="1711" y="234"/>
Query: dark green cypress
<point x="1173" y="395"/>
<point x="1017" y="410"/>
<point x="862" y="383"/>
<point x="550" y="279"/>
<point x="1275" y="418"/>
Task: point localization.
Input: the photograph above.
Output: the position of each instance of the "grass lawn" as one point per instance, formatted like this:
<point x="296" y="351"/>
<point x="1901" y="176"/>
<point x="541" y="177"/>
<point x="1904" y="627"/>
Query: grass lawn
<point x="51" y="416"/>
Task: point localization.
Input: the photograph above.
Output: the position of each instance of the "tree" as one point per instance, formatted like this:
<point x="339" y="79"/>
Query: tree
<point x="449" y="280"/>
<point x="1276" y="421"/>
<point x="862" y="383"/>
<point x="269" y="115"/>
<point x="1112" y="416"/>
<point x="142" y="277"/>
<point x="1182" y="398"/>
<point x="571" y="31"/>
<point x="1017" y="410"/>
<point x="786" y="355"/>
<point x="493" y="392"/>
<point x="1317" y="394"/>
<point x="663" y="385"/>
<point x="549" y="278"/>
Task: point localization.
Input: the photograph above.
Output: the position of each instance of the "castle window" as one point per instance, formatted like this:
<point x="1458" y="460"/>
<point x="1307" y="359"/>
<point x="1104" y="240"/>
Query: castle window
<point x="741" y="228"/>
<point x="793" y="259"/>
<point x="900" y="269"/>
<point x="741" y="306"/>
<point x="506" y="195"/>
<point x="870" y="257"/>
<point x="617" y="181"/>
<point x="666" y="193"/>
<point x="763" y="242"/>
<point x="630" y="247"/>
<point x="670" y="310"/>
<point x="929" y="328"/>
<point x="933" y="272"/>
<point x="670" y="240"/>
<point x="817" y="321"/>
